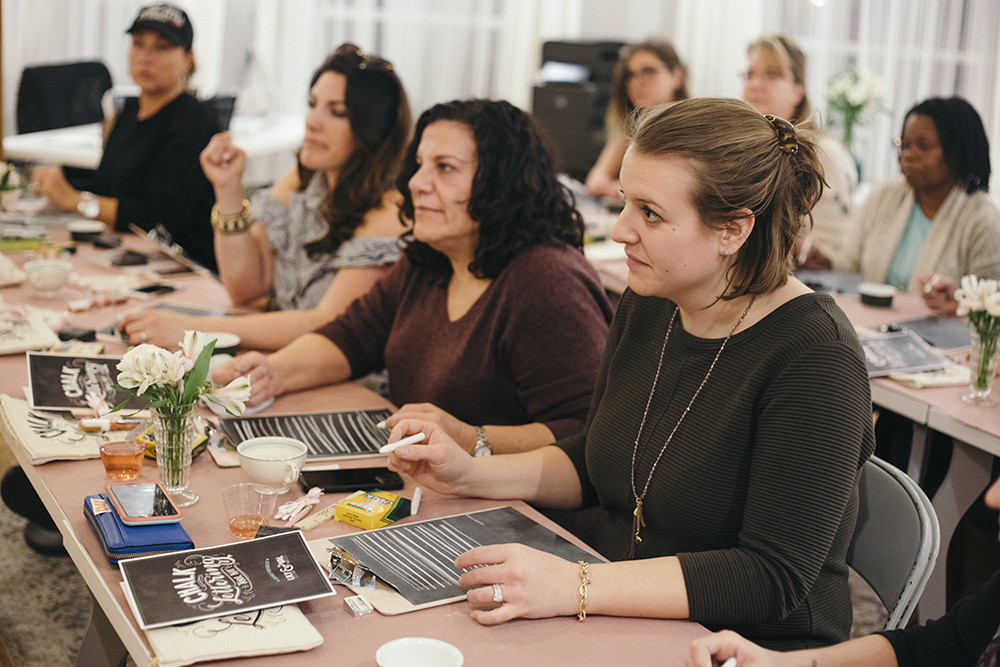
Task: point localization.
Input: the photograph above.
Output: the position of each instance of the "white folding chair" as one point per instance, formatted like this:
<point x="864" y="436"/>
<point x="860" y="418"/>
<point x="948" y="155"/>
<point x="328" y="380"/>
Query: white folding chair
<point x="896" y="540"/>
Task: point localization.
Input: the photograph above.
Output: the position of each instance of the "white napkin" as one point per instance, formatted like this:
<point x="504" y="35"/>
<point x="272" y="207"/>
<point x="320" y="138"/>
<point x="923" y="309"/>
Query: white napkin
<point x="263" y="632"/>
<point x="955" y="375"/>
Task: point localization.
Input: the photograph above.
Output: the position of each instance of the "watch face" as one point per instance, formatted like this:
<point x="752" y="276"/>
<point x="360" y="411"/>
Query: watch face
<point x="89" y="207"/>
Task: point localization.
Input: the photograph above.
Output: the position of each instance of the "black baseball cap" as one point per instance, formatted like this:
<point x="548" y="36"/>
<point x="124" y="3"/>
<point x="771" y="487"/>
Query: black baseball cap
<point x="171" y="22"/>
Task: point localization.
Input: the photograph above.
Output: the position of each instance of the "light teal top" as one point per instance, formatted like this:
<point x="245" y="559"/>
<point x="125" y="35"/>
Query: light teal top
<point x="908" y="249"/>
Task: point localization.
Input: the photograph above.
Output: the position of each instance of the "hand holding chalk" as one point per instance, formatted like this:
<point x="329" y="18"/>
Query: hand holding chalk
<point x="409" y="440"/>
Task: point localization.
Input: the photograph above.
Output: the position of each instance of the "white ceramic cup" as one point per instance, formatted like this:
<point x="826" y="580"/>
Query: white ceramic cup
<point x="418" y="652"/>
<point x="272" y="461"/>
<point x="47" y="276"/>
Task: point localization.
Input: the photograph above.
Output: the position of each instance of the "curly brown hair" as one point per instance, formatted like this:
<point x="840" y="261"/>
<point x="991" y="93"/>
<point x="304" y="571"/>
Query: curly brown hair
<point x="516" y="198"/>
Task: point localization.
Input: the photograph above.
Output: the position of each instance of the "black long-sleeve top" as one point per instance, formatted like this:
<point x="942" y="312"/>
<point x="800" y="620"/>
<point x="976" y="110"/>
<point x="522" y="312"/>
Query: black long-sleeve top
<point x="958" y="638"/>
<point x="151" y="167"/>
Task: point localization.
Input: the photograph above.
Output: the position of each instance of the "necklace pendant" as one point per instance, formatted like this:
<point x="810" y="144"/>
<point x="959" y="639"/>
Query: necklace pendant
<point x="639" y="523"/>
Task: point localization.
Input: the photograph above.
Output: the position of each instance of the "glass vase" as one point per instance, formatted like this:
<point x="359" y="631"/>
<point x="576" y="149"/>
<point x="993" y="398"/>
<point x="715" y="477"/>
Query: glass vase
<point x="174" y="435"/>
<point x="983" y="368"/>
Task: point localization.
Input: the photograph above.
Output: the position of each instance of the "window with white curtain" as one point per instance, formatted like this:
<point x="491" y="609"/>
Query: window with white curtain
<point x="920" y="48"/>
<point x="442" y="49"/>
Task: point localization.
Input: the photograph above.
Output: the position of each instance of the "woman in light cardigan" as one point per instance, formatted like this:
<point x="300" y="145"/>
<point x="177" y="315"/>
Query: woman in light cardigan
<point x="937" y="220"/>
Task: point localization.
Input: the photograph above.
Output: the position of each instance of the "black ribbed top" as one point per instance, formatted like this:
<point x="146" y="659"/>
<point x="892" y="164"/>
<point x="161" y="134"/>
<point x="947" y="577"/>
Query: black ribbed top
<point x="757" y="492"/>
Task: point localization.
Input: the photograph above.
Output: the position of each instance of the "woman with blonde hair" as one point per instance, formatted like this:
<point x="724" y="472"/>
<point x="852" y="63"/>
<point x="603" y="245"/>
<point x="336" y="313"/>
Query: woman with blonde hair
<point x="646" y="74"/>
<point x="732" y="414"/>
<point x="775" y="83"/>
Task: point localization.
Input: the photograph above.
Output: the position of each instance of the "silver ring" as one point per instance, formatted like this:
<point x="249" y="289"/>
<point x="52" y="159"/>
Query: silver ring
<point x="142" y="337"/>
<point x="497" y="594"/>
<point x="35" y="185"/>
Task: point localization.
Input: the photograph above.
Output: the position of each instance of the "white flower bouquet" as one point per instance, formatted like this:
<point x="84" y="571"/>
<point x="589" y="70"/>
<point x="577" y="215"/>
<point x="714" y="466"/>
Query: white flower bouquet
<point x="979" y="300"/>
<point x="179" y="378"/>
<point x="173" y="383"/>
<point x="855" y="94"/>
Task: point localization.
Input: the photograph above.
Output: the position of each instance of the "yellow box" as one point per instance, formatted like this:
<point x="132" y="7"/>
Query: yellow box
<point x="371" y="509"/>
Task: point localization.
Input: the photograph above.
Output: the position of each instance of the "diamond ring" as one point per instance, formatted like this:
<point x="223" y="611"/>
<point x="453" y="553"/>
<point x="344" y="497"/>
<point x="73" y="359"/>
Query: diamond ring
<point x="497" y="594"/>
<point x="142" y="338"/>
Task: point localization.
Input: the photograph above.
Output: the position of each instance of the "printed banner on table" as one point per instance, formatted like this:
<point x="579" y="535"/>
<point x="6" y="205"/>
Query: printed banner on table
<point x="418" y="559"/>
<point x="901" y="352"/>
<point x="186" y="586"/>
<point x="328" y="435"/>
<point x="62" y="381"/>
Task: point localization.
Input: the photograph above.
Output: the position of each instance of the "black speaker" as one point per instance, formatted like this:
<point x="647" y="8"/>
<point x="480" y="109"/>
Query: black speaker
<point x="573" y="113"/>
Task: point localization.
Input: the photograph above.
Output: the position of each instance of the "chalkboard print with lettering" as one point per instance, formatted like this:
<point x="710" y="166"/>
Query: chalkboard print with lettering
<point x="62" y="382"/>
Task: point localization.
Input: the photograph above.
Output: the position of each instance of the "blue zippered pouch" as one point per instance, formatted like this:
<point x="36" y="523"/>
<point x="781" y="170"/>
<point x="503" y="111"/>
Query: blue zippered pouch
<point x="119" y="541"/>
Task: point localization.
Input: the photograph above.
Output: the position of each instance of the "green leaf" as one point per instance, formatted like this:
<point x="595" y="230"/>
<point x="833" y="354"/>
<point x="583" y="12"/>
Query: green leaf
<point x="196" y="378"/>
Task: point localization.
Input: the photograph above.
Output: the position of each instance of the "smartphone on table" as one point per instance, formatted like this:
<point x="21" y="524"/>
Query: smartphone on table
<point x="347" y="480"/>
<point x="142" y="503"/>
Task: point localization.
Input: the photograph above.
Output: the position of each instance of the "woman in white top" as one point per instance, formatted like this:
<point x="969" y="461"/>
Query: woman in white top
<point x="775" y="84"/>
<point x="324" y="234"/>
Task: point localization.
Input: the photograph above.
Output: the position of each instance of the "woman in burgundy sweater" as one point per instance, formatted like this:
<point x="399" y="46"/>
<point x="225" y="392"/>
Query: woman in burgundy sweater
<point x="493" y="323"/>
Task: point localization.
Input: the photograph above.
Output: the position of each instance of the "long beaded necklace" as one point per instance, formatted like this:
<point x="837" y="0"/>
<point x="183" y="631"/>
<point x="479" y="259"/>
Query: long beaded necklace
<point x="637" y="523"/>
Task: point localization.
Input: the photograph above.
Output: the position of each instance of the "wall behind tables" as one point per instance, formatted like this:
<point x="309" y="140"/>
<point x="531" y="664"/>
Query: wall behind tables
<point x="266" y="50"/>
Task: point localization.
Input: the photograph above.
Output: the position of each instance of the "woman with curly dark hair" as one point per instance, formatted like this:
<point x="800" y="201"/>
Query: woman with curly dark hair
<point x="492" y="324"/>
<point x="326" y="231"/>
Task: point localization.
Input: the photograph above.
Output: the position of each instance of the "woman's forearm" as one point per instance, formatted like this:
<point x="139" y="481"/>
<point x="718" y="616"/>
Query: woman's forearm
<point x="245" y="264"/>
<point x="544" y="477"/>
<point x="311" y="360"/>
<point x="870" y="651"/>
<point x="523" y="438"/>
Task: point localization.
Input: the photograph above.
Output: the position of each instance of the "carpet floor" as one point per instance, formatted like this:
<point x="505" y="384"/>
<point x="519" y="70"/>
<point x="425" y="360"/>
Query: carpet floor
<point x="44" y="602"/>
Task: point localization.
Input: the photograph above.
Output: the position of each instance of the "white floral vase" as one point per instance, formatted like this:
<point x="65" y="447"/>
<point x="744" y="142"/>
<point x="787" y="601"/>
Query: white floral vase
<point x="983" y="366"/>
<point x="174" y="436"/>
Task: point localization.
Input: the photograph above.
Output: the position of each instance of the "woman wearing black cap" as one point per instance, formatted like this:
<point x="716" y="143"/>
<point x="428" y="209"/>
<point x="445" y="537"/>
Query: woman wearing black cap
<point x="149" y="174"/>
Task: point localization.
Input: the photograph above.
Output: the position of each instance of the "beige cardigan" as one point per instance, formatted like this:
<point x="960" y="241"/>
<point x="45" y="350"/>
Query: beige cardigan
<point x="964" y="237"/>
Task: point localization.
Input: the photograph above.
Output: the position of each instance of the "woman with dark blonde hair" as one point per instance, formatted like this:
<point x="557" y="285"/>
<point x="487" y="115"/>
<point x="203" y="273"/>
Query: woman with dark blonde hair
<point x="775" y="83"/>
<point x="325" y="233"/>
<point x="731" y="417"/>
<point x="646" y="74"/>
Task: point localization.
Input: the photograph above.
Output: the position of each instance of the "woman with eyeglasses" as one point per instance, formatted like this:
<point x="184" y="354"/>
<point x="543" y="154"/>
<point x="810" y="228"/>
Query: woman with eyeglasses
<point x="646" y="74"/>
<point x="149" y="174"/>
<point x="730" y="420"/>
<point x="325" y="232"/>
<point x="936" y="224"/>
<point x="492" y="322"/>
<point x="775" y="83"/>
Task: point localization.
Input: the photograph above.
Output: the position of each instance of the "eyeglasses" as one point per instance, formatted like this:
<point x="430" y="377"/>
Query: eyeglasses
<point x="361" y="60"/>
<point x="768" y="75"/>
<point x="644" y="74"/>
<point x="918" y="146"/>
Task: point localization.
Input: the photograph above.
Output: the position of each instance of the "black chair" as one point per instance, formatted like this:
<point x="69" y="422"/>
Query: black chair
<point x="221" y="108"/>
<point x="63" y="95"/>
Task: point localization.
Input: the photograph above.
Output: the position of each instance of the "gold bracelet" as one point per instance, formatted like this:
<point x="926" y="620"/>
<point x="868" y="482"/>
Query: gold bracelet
<point x="584" y="580"/>
<point x="229" y="224"/>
